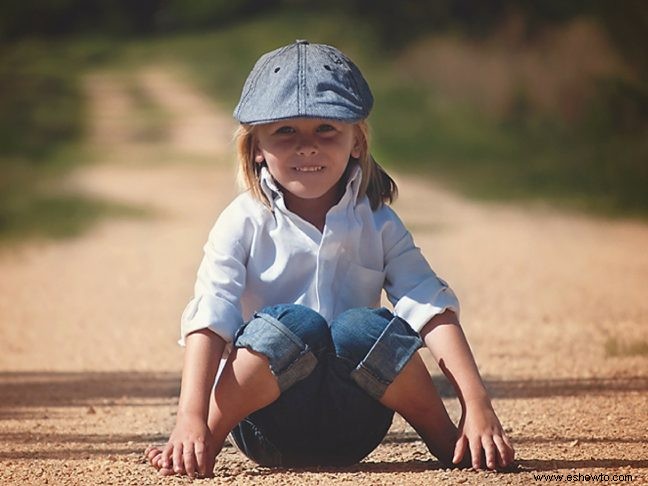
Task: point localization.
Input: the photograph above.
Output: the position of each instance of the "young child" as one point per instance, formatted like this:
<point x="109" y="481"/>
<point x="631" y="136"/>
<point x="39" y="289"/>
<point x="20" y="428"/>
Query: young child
<point x="288" y="294"/>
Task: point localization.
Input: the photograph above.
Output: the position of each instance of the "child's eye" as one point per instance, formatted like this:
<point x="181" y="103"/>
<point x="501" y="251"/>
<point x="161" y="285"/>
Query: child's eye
<point x="285" y="129"/>
<point x="325" y="128"/>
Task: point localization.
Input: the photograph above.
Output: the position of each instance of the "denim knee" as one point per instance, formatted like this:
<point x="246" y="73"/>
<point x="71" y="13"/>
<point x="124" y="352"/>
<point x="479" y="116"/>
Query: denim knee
<point x="303" y="321"/>
<point x="292" y="337"/>
<point x="375" y="345"/>
<point x="355" y="331"/>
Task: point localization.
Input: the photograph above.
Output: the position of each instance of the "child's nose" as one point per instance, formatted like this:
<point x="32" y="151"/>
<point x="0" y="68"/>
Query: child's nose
<point x="306" y="146"/>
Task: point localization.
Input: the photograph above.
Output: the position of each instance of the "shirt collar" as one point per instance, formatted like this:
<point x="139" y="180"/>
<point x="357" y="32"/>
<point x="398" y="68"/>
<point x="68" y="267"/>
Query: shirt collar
<point x="275" y="196"/>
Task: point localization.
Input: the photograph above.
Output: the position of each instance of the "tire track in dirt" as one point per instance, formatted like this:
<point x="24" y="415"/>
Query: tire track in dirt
<point x="89" y="369"/>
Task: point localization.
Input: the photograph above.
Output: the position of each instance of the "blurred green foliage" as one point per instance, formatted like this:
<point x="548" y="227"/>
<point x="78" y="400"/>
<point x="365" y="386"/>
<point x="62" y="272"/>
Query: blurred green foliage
<point x="395" y="23"/>
<point x="596" y="161"/>
<point x="42" y="122"/>
<point x="20" y="19"/>
<point x="38" y="214"/>
<point x="39" y="105"/>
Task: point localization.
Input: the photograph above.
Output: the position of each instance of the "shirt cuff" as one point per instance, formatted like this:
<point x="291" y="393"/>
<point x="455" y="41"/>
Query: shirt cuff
<point x="213" y="313"/>
<point x="426" y="301"/>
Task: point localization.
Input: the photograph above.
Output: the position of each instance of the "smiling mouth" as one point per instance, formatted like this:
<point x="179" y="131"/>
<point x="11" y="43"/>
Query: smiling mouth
<point x="310" y="168"/>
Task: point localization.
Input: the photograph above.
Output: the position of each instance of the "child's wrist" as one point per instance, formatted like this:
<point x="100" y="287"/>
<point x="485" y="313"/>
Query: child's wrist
<point x="190" y="414"/>
<point x="477" y="400"/>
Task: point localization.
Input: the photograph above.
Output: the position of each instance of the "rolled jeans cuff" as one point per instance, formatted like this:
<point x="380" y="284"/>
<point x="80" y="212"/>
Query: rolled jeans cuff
<point x="387" y="357"/>
<point x="291" y="360"/>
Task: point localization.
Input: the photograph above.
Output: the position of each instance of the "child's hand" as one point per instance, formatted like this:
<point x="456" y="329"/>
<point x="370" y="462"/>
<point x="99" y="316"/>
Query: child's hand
<point x="480" y="431"/>
<point x="190" y="449"/>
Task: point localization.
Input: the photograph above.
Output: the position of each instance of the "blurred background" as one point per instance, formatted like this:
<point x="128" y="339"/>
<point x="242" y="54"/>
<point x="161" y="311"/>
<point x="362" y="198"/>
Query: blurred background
<point x="501" y="100"/>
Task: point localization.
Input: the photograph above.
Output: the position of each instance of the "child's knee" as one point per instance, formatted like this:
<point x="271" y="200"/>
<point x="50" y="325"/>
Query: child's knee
<point x="291" y="337"/>
<point x="302" y="321"/>
<point x="375" y="346"/>
<point x="355" y="331"/>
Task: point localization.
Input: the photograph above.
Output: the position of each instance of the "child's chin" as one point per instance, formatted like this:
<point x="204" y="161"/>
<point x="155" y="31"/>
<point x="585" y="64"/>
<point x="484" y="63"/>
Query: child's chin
<point x="308" y="193"/>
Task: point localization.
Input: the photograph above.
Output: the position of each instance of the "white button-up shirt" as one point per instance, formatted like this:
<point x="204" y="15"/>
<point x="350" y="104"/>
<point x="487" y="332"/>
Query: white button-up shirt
<point x="256" y="257"/>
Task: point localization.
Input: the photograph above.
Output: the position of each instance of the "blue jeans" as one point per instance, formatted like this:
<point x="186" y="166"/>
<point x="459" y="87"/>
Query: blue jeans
<point x="330" y="380"/>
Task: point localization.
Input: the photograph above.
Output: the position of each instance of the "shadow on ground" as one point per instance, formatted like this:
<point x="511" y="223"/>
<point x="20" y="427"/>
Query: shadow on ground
<point x="57" y="389"/>
<point x="413" y="466"/>
<point x="60" y="389"/>
<point x="26" y="394"/>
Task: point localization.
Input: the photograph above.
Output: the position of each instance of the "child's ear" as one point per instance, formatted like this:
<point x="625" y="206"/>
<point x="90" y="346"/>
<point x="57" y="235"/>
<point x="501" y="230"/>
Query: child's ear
<point x="356" y="150"/>
<point x="258" y="155"/>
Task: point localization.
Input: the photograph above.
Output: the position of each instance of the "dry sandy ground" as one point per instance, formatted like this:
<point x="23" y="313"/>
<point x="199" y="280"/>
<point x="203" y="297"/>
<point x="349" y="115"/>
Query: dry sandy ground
<point x="89" y="368"/>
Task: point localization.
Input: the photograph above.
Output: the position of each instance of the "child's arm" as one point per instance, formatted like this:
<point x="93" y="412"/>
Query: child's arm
<point x="189" y="449"/>
<point x="479" y="428"/>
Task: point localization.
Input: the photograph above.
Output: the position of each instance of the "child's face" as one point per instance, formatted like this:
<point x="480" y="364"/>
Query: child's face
<point x="307" y="156"/>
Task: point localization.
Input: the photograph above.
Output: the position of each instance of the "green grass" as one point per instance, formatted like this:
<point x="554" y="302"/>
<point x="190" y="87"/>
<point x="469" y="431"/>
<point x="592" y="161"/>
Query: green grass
<point x="220" y="60"/>
<point x="42" y="109"/>
<point x="36" y="215"/>
<point x="42" y="127"/>
<point x="532" y="159"/>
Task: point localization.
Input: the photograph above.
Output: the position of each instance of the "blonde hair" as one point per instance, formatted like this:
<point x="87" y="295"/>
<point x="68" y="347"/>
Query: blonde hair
<point x="379" y="187"/>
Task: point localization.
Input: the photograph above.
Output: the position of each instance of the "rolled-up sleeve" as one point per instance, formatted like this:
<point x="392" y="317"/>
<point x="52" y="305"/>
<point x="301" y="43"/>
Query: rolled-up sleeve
<point x="414" y="289"/>
<point x="220" y="282"/>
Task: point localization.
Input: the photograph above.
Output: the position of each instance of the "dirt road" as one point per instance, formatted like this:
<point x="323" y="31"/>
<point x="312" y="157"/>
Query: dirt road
<point x="89" y="368"/>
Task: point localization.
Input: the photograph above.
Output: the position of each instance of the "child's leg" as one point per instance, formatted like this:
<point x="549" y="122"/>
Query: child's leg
<point x="393" y="373"/>
<point x="246" y="384"/>
<point x="280" y="347"/>
<point x="413" y="395"/>
<point x="268" y="359"/>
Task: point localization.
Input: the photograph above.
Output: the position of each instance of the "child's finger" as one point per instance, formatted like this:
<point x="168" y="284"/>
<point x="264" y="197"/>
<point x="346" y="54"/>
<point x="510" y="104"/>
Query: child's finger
<point x="502" y="451"/>
<point x="178" y="464"/>
<point x="166" y="456"/>
<point x="476" y="453"/>
<point x="166" y="472"/>
<point x="152" y="452"/>
<point x="490" y="451"/>
<point x="189" y="459"/>
<point x="460" y="450"/>
<point x="201" y="458"/>
<point x="510" y="451"/>
<point x="165" y="464"/>
<point x="153" y="459"/>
